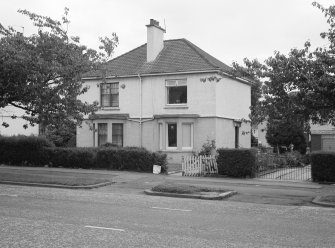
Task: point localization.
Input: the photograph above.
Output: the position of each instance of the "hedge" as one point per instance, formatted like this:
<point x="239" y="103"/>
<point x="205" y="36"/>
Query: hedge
<point x="35" y="151"/>
<point x="23" y="150"/>
<point x="236" y="162"/>
<point x="84" y="158"/>
<point x="323" y="166"/>
<point x="135" y="159"/>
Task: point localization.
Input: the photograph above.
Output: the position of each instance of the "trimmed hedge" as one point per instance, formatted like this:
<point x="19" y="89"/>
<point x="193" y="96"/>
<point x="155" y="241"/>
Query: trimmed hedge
<point x="84" y="158"/>
<point x="236" y="162"/>
<point x="135" y="159"/>
<point x="36" y="151"/>
<point x="323" y="166"/>
<point x="23" y="150"/>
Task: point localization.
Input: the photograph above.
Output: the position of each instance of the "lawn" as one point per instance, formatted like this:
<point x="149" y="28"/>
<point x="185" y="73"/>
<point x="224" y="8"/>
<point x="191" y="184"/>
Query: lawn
<point x="329" y="198"/>
<point x="184" y="189"/>
<point x="53" y="177"/>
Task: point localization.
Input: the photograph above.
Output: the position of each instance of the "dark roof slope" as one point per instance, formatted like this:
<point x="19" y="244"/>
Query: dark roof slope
<point x="177" y="56"/>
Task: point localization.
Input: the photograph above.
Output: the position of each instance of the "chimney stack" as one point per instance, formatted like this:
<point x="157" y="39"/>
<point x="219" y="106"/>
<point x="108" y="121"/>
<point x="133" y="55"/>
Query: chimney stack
<point x="155" y="40"/>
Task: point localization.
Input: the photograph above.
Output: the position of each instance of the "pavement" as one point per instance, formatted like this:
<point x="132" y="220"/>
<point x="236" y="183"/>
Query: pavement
<point x="249" y="190"/>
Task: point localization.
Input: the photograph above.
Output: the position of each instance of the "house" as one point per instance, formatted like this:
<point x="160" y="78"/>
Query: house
<point x="15" y="125"/>
<point x="155" y="97"/>
<point x="322" y="138"/>
<point x="259" y="132"/>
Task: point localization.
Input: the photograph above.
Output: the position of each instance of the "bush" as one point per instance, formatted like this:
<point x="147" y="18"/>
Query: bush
<point x="71" y="157"/>
<point x="207" y="148"/>
<point x="36" y="151"/>
<point x="130" y="158"/>
<point x="323" y="166"/>
<point x="23" y="150"/>
<point x="236" y="162"/>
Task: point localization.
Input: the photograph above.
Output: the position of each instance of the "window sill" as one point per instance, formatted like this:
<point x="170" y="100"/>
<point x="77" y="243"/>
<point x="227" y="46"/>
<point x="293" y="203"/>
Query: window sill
<point x="109" y="108"/>
<point x="176" y="106"/>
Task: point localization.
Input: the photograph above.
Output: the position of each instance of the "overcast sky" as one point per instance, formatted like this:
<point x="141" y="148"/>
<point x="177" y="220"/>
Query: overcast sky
<point x="230" y="30"/>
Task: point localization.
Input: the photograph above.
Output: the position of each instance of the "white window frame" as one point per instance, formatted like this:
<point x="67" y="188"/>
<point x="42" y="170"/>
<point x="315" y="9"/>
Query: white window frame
<point x="114" y="135"/>
<point x="160" y="130"/>
<point x="167" y="136"/>
<point x="101" y="95"/>
<point x="175" y="83"/>
<point x="192" y="135"/>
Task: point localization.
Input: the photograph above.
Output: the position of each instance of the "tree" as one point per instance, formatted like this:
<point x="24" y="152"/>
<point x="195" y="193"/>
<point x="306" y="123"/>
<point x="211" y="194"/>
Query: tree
<point x="284" y="132"/>
<point x="41" y="73"/>
<point x="300" y="85"/>
<point x="62" y="135"/>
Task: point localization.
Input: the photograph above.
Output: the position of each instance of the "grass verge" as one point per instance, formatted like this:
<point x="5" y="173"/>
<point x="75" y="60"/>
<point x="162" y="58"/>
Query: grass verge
<point x="184" y="189"/>
<point x="59" y="178"/>
<point x="329" y="198"/>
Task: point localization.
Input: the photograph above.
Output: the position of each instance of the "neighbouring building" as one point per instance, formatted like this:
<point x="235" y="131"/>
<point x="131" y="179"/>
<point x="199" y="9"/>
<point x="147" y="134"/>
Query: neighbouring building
<point x="259" y="131"/>
<point x="154" y="97"/>
<point x="322" y="138"/>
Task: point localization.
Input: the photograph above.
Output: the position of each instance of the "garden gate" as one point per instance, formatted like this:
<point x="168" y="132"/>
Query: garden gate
<point x="199" y="165"/>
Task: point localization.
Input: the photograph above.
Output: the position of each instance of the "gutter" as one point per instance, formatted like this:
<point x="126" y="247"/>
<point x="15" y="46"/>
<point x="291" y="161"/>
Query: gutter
<point x="152" y="74"/>
<point x="172" y="73"/>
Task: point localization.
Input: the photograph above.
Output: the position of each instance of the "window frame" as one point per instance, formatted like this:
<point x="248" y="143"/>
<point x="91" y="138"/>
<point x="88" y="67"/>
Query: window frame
<point x="160" y="131"/>
<point x="192" y="135"/>
<point x="111" y="95"/>
<point x="167" y="136"/>
<point x="169" y="83"/>
<point x="115" y="135"/>
<point x="99" y="133"/>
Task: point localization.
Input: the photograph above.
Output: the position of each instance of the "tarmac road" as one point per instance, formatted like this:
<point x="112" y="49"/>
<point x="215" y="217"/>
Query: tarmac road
<point x="48" y="217"/>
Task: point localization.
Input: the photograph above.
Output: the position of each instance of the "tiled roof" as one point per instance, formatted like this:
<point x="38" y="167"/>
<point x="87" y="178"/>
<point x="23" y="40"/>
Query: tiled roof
<point x="177" y="56"/>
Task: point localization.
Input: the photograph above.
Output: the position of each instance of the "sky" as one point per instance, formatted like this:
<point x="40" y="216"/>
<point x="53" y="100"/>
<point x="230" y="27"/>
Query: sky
<point x="230" y="30"/>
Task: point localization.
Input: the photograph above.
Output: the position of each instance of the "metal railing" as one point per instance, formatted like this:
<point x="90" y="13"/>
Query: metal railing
<point x="279" y="167"/>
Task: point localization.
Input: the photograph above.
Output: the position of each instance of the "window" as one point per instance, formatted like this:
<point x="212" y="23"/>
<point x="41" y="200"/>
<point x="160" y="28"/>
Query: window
<point x="117" y="134"/>
<point x="102" y="134"/>
<point x="187" y="135"/>
<point x="172" y="135"/>
<point x="160" y="127"/>
<point x="176" y="91"/>
<point x="110" y="95"/>
<point x="237" y="134"/>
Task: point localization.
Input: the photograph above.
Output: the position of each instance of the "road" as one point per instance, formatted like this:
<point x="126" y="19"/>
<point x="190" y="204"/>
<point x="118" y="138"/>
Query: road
<point x="46" y="217"/>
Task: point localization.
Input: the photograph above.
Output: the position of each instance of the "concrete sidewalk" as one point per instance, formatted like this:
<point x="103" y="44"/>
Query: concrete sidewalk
<point x="249" y="190"/>
<point x="130" y="175"/>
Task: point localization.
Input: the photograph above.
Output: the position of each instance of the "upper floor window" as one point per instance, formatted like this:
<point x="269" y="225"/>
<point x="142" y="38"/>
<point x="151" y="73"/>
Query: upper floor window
<point x="110" y="95"/>
<point x="176" y="91"/>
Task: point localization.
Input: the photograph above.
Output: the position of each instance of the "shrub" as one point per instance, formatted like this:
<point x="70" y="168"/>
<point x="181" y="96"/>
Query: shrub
<point x="129" y="158"/>
<point x="236" y="162"/>
<point x="71" y="157"/>
<point x="323" y="166"/>
<point x="207" y="148"/>
<point x="36" y="151"/>
<point x="23" y="150"/>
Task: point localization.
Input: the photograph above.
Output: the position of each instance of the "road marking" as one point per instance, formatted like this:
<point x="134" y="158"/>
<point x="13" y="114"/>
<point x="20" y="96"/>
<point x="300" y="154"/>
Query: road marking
<point x="8" y="195"/>
<point x="106" y="228"/>
<point x="173" y="209"/>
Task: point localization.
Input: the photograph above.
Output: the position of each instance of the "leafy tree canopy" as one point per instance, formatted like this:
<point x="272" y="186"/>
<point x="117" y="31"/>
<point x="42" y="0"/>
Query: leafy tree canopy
<point x="300" y="84"/>
<point x="41" y="73"/>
